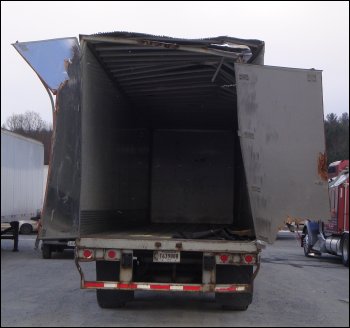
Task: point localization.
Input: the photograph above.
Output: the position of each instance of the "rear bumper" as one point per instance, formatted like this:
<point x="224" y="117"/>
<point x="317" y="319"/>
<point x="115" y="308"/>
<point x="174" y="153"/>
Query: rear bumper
<point x="142" y="286"/>
<point x="98" y="248"/>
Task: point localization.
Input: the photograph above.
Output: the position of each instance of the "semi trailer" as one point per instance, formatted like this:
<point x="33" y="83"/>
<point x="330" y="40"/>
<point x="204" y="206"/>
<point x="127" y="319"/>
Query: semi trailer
<point x="22" y="162"/>
<point x="175" y="160"/>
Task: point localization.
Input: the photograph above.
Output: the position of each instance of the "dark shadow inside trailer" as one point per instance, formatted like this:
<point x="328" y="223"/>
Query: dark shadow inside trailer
<point x="159" y="142"/>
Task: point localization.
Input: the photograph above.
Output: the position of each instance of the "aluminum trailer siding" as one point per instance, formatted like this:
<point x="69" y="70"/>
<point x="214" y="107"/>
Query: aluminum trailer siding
<point x="22" y="163"/>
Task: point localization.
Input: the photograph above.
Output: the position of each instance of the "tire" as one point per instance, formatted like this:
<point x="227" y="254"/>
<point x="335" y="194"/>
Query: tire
<point x="306" y="244"/>
<point x="345" y="249"/>
<point x="230" y="274"/>
<point x="46" y="251"/>
<point x="234" y="301"/>
<point x="26" y="229"/>
<point x="111" y="299"/>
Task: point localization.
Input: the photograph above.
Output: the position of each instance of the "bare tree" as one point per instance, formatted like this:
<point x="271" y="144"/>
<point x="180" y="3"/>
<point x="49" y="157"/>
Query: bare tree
<point x="14" y="122"/>
<point x="33" y="122"/>
<point x="27" y="122"/>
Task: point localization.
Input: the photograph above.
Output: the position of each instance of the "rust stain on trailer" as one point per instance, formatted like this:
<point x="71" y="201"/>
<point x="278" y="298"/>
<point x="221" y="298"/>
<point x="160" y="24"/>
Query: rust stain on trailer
<point x="159" y="44"/>
<point x="322" y="166"/>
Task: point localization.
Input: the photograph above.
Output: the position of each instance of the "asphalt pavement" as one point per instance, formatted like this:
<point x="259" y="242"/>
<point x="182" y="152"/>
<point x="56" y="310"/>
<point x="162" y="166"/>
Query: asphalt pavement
<point x="290" y="290"/>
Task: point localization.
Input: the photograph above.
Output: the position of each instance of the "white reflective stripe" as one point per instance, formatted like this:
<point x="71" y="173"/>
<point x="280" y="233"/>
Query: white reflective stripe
<point x="226" y="288"/>
<point x="229" y="288"/>
<point x="108" y="285"/>
<point x="139" y="286"/>
<point x="165" y="287"/>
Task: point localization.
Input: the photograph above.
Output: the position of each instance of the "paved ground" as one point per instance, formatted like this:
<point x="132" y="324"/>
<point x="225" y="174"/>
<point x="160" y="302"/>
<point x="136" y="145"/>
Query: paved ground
<point x="290" y="290"/>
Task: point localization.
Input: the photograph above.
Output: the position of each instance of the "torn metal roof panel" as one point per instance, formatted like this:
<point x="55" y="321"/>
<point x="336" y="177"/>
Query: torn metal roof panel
<point x="161" y="68"/>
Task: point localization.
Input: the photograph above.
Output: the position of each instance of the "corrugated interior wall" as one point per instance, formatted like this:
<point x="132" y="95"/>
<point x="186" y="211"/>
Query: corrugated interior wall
<point x="141" y="169"/>
<point x="192" y="176"/>
<point x="115" y="152"/>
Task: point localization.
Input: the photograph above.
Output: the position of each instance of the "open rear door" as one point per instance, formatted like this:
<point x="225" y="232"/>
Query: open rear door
<point x="281" y="128"/>
<point x="57" y="64"/>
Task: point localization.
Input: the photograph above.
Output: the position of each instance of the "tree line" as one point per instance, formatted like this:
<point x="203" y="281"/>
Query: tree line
<point x="337" y="136"/>
<point x="30" y="124"/>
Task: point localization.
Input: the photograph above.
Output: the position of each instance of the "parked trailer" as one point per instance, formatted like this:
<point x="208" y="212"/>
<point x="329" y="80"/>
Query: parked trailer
<point x="22" y="162"/>
<point x="175" y="160"/>
<point x="332" y="237"/>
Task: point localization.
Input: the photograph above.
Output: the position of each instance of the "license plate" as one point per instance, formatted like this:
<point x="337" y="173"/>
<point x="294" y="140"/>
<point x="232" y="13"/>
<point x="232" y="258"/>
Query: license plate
<point x="71" y="243"/>
<point x="166" y="256"/>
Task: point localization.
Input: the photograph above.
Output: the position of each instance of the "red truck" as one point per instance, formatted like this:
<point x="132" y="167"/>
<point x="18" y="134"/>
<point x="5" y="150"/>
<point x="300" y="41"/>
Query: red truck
<point x="336" y="167"/>
<point x="333" y="236"/>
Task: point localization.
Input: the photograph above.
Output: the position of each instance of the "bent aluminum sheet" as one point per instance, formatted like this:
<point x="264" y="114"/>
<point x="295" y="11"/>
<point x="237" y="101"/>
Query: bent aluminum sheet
<point x="280" y="112"/>
<point x="49" y="59"/>
<point x="57" y="63"/>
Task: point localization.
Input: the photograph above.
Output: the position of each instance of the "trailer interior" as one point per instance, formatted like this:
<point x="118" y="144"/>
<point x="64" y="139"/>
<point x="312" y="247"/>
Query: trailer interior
<point x="160" y="151"/>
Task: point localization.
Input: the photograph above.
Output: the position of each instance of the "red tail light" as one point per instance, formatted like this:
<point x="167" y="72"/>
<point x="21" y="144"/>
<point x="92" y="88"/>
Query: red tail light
<point x="249" y="258"/>
<point x="87" y="253"/>
<point x="224" y="258"/>
<point x="112" y="254"/>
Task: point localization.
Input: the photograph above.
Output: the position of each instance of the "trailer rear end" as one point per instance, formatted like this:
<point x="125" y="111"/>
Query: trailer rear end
<point x="175" y="160"/>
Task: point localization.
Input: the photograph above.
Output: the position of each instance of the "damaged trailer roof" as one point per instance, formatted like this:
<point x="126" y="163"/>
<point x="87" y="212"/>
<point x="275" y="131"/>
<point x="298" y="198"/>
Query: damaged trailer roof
<point x="165" y="78"/>
<point x="165" y="73"/>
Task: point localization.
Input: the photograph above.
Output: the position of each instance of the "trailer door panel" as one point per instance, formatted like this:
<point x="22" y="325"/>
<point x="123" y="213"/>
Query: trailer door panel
<point x="57" y="64"/>
<point x="281" y="129"/>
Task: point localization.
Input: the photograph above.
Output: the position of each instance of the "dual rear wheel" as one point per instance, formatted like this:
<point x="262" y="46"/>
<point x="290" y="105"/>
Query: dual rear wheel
<point x="110" y="299"/>
<point x="345" y="249"/>
<point x="229" y="274"/>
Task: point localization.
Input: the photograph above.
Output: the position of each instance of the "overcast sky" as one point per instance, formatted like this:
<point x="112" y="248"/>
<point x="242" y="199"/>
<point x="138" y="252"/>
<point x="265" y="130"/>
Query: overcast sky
<point x="297" y="34"/>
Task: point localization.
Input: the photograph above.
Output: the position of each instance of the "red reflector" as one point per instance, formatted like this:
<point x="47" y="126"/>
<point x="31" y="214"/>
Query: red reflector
<point x="87" y="253"/>
<point x="248" y="258"/>
<point x="160" y="287"/>
<point x="91" y="284"/>
<point x="224" y="258"/>
<point x="111" y="254"/>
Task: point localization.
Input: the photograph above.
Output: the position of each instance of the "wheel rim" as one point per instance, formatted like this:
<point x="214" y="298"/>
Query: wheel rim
<point x="345" y="249"/>
<point x="26" y="230"/>
<point x="306" y="243"/>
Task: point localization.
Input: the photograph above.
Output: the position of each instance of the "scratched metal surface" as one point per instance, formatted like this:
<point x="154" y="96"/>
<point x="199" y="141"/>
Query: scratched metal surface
<point x="280" y="114"/>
